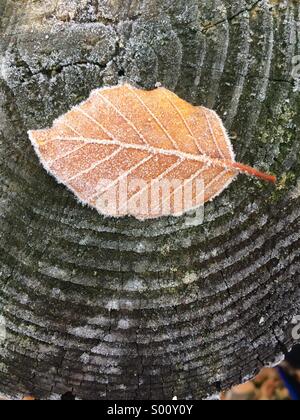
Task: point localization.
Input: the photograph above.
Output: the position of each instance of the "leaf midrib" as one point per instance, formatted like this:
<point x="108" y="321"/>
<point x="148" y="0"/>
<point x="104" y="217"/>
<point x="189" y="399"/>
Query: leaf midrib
<point x="153" y="151"/>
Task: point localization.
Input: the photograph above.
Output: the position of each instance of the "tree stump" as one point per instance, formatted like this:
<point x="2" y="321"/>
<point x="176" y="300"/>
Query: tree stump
<point x="108" y="308"/>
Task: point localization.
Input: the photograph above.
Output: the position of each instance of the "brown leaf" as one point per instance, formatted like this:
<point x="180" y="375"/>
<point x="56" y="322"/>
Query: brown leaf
<point x="147" y="154"/>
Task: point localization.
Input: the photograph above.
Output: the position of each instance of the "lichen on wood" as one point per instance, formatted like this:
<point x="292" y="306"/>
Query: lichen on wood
<point x="117" y="308"/>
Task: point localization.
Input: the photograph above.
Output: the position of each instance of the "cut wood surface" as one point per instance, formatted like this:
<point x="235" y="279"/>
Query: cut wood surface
<point x="119" y="308"/>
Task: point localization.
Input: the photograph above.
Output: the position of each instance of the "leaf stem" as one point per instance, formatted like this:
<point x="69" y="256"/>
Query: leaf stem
<point x="254" y="172"/>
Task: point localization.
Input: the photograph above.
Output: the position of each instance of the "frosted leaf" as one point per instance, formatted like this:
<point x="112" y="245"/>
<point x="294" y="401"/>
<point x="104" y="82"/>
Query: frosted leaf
<point x="147" y="154"/>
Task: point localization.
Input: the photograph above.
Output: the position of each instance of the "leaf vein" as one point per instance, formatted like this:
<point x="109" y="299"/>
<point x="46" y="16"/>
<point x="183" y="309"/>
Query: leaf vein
<point x="221" y="154"/>
<point x="95" y="165"/>
<point x="121" y="177"/>
<point x="141" y="136"/>
<point x="185" y="123"/>
<point x="162" y="175"/>
<point x="160" y="125"/>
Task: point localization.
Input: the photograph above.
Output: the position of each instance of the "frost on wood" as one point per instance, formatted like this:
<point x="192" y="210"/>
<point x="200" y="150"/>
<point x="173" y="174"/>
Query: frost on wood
<point x="147" y="154"/>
